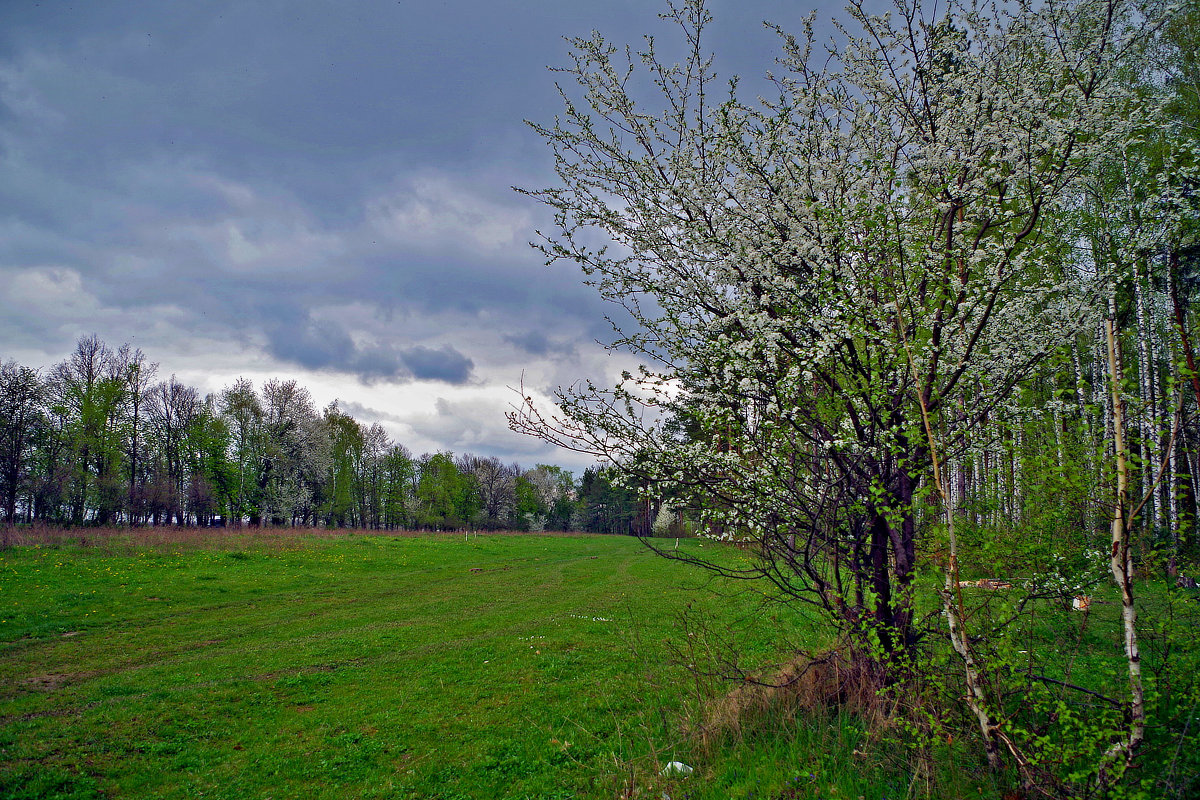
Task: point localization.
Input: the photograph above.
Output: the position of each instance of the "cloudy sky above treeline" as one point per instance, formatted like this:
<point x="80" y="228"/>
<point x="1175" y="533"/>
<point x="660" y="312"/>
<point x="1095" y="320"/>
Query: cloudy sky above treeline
<point x="312" y="189"/>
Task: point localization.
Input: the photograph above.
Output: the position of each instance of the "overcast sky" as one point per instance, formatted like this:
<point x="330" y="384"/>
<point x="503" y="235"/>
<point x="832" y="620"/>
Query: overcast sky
<point x="310" y="189"/>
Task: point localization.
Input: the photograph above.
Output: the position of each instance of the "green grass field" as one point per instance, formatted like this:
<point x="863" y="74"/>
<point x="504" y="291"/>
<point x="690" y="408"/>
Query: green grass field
<point x="286" y="664"/>
<point x="377" y="666"/>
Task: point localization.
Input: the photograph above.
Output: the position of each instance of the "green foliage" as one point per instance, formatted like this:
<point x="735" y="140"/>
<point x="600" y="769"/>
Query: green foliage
<point x="529" y="504"/>
<point x="445" y="494"/>
<point x="604" y="506"/>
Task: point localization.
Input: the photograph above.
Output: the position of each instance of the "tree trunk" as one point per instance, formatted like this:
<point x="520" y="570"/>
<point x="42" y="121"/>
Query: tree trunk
<point x="1121" y="560"/>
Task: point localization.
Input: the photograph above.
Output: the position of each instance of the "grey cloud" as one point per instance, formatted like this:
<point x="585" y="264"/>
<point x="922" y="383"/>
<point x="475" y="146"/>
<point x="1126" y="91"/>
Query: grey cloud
<point x="374" y="362"/>
<point x="321" y="344"/>
<point x="242" y="172"/>
<point x="247" y="251"/>
<point x="537" y="343"/>
<point x="438" y="364"/>
<point x="143" y="224"/>
<point x="312" y="344"/>
<point x="324" y="344"/>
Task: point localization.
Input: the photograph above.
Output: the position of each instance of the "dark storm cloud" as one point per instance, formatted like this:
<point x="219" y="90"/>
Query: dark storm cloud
<point x="312" y="344"/>
<point x="119" y="119"/>
<point x="293" y="93"/>
<point x="438" y="364"/>
<point x="326" y="345"/>
<point x="378" y="362"/>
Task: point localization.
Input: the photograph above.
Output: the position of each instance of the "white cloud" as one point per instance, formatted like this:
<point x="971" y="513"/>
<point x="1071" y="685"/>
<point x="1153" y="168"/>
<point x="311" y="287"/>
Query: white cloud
<point x="46" y="309"/>
<point x="435" y="212"/>
<point x="42" y="288"/>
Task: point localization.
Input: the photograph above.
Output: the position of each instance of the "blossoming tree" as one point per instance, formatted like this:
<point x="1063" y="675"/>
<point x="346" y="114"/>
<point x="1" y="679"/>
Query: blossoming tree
<point x="834" y="286"/>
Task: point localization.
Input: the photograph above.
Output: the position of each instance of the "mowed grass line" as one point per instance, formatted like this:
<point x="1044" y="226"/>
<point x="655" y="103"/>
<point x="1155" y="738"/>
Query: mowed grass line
<point x="356" y="666"/>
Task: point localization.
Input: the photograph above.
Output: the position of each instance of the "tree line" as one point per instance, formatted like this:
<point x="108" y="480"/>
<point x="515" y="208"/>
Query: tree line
<point x="98" y="439"/>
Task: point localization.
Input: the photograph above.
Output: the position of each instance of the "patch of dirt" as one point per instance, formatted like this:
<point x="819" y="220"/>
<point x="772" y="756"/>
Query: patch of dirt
<point x="50" y="681"/>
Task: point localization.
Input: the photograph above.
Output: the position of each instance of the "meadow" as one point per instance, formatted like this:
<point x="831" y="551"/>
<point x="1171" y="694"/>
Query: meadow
<point x="318" y="665"/>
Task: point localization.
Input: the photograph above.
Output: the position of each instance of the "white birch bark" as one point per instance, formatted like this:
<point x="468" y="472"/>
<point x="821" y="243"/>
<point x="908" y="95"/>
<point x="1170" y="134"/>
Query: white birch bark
<point x="1144" y="421"/>
<point x="1121" y="560"/>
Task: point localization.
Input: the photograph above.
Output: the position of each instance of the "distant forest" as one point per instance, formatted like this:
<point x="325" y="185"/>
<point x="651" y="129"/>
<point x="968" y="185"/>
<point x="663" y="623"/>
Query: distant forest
<point x="99" y="439"/>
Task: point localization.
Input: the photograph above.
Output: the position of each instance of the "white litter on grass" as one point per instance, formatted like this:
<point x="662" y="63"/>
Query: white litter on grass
<point x="676" y="768"/>
<point x="593" y="619"/>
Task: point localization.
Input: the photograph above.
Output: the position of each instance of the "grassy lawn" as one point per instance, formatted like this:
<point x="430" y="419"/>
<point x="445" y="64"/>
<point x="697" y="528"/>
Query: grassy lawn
<point x="319" y="665"/>
<point x="365" y="666"/>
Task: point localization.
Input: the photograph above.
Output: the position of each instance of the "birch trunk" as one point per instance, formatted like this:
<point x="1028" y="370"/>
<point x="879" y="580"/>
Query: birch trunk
<point x="1147" y="430"/>
<point x="1121" y="559"/>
